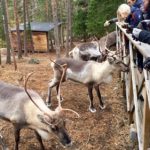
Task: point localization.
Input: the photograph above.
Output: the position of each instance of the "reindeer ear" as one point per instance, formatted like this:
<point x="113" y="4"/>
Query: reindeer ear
<point x="117" y="61"/>
<point x="44" y="118"/>
<point x="110" y="60"/>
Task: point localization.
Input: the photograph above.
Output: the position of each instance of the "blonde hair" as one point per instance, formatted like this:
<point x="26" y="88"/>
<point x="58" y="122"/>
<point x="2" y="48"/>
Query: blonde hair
<point x="122" y="12"/>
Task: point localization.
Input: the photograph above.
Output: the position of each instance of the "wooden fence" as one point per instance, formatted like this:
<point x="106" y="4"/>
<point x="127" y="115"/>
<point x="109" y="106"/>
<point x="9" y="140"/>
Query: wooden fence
<point x="137" y="85"/>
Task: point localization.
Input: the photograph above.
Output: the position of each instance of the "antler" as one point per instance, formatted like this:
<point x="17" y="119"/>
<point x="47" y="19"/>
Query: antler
<point x="64" y="68"/>
<point x="56" y="64"/>
<point x="25" y="88"/>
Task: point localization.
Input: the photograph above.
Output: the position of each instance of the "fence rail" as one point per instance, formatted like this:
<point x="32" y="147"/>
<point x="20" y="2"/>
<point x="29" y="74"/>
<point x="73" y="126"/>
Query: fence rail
<point x="137" y="85"/>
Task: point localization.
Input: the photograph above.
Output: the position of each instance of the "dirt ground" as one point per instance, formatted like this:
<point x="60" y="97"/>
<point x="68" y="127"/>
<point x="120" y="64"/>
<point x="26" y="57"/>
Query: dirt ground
<point x="106" y="129"/>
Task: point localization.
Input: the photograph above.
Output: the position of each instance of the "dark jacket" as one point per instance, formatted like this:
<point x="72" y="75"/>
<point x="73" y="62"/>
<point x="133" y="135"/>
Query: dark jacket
<point x="147" y="14"/>
<point x="144" y="36"/>
<point x="137" y="4"/>
<point x="135" y="17"/>
<point x="136" y="14"/>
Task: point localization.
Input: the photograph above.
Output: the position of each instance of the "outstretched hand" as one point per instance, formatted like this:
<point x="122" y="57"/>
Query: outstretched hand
<point x="107" y="23"/>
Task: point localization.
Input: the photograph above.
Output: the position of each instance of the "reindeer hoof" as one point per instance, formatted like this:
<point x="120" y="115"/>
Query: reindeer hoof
<point x="92" y="110"/>
<point x="102" y="107"/>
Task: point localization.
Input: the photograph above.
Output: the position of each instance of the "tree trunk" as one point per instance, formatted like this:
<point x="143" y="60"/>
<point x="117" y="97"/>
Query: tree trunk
<point x="29" y="27"/>
<point x="69" y="22"/>
<point x="25" y="29"/>
<point x="47" y="9"/>
<point x="5" y="19"/>
<point x="10" y="37"/>
<point x="0" y="58"/>
<point x="56" y="30"/>
<point x="62" y="13"/>
<point x="19" y="49"/>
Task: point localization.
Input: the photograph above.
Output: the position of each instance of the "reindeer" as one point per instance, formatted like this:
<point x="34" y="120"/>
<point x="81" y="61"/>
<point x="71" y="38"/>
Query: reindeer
<point x="89" y="73"/>
<point x="26" y="109"/>
<point x="86" y="51"/>
<point x="95" y="50"/>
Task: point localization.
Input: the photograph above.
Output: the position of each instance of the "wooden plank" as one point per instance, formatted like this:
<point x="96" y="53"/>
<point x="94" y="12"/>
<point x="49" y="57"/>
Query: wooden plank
<point x="117" y="38"/>
<point x="146" y="125"/>
<point x="130" y="100"/>
<point x="127" y="76"/>
<point x="137" y="120"/>
<point x="147" y="84"/>
<point x="40" y="41"/>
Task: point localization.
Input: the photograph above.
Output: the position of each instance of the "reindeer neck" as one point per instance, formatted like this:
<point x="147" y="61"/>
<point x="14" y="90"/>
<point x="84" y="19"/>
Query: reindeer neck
<point x="106" y="67"/>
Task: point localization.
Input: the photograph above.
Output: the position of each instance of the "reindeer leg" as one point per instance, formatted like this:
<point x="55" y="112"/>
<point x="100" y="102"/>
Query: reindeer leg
<point x="52" y="84"/>
<point x="40" y="140"/>
<point x="90" y="92"/>
<point x="3" y="143"/>
<point x="61" y="98"/>
<point x="48" y="100"/>
<point x="102" y="106"/>
<point x="17" y="136"/>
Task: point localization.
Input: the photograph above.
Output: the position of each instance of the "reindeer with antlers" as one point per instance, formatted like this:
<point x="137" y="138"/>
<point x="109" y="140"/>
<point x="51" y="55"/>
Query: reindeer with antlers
<point x="94" y="50"/>
<point x="89" y="73"/>
<point x="25" y="108"/>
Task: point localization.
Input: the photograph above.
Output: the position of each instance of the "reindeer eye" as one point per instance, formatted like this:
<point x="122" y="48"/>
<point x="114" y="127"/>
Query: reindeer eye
<point x="54" y="128"/>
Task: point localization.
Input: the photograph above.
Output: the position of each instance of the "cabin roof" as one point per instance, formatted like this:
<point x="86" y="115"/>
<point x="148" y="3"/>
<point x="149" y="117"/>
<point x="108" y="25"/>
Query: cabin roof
<point x="38" y="26"/>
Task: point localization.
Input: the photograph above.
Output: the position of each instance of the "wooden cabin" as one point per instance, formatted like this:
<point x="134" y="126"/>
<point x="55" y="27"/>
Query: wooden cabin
<point x="40" y="35"/>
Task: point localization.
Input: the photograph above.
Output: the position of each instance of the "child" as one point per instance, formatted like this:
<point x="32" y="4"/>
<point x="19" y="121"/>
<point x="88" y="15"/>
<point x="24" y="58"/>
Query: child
<point x="123" y="12"/>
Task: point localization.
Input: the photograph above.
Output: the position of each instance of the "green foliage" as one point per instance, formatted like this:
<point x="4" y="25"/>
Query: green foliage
<point x="89" y="15"/>
<point x="98" y="11"/>
<point x="81" y="2"/>
<point x="79" y="24"/>
<point x="2" y="35"/>
<point x="79" y="19"/>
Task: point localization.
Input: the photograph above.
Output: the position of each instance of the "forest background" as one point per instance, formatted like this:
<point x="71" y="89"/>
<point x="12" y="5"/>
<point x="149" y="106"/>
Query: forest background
<point x="81" y="19"/>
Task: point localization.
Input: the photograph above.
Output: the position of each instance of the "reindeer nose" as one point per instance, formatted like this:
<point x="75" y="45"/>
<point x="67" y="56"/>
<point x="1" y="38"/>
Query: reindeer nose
<point x="66" y="141"/>
<point x="69" y="145"/>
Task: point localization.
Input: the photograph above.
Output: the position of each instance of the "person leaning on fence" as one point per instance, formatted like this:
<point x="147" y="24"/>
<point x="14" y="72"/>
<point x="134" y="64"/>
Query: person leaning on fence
<point x="132" y="20"/>
<point x="123" y="12"/>
<point x="136" y="14"/>
<point x="128" y="12"/>
<point x="142" y="32"/>
<point x="146" y="16"/>
<point x="135" y="17"/>
<point x="143" y="36"/>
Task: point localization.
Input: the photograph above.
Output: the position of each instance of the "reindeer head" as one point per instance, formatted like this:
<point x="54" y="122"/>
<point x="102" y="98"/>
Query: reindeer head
<point x="53" y="120"/>
<point x="117" y="63"/>
<point x="56" y="124"/>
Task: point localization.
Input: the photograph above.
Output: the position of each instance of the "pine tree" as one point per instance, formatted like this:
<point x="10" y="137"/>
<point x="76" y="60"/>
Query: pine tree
<point x="5" y="13"/>
<point x="98" y="12"/>
<point x="79" y="21"/>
